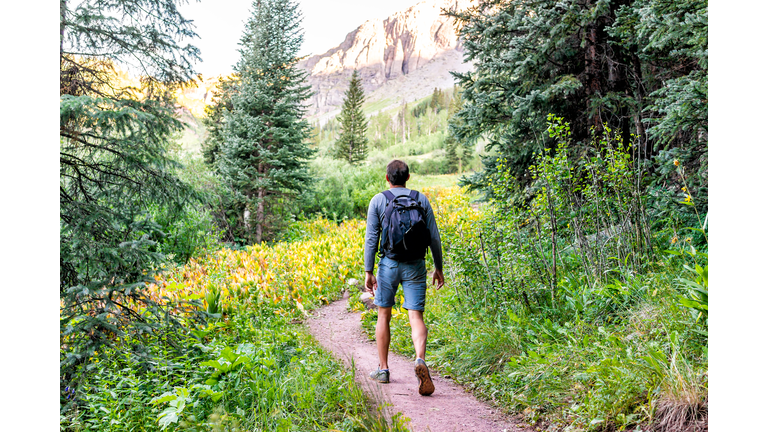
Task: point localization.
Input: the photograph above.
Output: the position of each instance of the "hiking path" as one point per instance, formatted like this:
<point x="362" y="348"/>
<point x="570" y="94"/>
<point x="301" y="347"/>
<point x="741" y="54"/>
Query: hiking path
<point x="449" y="409"/>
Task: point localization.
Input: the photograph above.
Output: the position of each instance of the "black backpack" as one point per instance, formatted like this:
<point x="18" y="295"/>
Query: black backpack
<point x="404" y="235"/>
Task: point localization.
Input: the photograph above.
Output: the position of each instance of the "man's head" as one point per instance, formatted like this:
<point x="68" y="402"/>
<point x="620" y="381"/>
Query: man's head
<point x="397" y="173"/>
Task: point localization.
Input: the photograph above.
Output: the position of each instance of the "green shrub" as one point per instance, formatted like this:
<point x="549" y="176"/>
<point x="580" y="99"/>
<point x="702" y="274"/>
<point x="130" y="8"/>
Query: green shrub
<point x="432" y="166"/>
<point x="342" y="191"/>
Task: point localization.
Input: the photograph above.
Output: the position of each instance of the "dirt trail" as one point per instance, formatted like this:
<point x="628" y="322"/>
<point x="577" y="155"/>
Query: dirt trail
<point x="449" y="409"/>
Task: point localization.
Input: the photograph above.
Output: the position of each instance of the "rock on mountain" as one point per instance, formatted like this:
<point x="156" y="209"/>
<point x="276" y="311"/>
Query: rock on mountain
<point x="402" y="57"/>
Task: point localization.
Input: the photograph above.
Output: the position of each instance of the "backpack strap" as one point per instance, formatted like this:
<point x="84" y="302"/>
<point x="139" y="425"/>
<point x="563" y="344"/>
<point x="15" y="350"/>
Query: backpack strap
<point x="414" y="194"/>
<point x="387" y="213"/>
<point x="389" y="207"/>
<point x="390" y="196"/>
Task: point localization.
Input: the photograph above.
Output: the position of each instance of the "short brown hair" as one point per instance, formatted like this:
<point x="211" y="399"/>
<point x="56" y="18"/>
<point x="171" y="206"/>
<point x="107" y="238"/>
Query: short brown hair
<point x="397" y="171"/>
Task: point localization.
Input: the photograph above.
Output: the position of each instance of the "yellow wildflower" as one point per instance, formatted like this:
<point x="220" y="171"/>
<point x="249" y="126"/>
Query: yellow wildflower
<point x="674" y="239"/>
<point x="688" y="198"/>
<point x="677" y="162"/>
<point x="684" y="189"/>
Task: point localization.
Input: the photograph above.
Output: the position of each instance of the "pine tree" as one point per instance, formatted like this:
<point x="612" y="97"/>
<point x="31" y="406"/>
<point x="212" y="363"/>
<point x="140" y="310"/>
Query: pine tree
<point x="436" y="101"/>
<point x="115" y="166"/>
<point x="627" y="64"/>
<point x="264" y="154"/>
<point x="214" y="119"/>
<point x="458" y="155"/>
<point x="352" y="144"/>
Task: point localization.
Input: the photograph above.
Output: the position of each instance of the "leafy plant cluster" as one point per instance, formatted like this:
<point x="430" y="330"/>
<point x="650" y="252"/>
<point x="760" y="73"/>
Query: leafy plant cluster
<point x="239" y="362"/>
<point x="565" y="302"/>
<point x="342" y="191"/>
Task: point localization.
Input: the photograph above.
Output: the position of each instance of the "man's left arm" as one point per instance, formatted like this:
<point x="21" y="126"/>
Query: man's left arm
<point x="436" y="246"/>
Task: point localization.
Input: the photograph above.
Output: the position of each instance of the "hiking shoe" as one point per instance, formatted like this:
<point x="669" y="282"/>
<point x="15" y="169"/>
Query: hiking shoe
<point x="426" y="387"/>
<point x="379" y="375"/>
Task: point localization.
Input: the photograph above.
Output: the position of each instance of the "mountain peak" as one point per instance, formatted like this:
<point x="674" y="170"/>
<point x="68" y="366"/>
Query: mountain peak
<point x="383" y="50"/>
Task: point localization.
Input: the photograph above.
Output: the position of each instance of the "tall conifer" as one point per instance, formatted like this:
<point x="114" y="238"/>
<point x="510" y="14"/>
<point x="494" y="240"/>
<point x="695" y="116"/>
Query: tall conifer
<point x="115" y="167"/>
<point x="352" y="144"/>
<point x="458" y="154"/>
<point x="640" y="67"/>
<point x="264" y="154"/>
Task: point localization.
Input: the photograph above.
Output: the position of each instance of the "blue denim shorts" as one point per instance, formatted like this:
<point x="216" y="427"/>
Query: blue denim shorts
<point x="412" y="275"/>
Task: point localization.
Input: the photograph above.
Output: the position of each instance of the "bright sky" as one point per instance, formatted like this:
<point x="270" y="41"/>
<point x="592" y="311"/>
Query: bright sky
<point x="220" y="24"/>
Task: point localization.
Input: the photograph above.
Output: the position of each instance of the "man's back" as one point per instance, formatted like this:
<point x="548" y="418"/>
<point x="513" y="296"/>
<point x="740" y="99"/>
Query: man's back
<point x="376" y="210"/>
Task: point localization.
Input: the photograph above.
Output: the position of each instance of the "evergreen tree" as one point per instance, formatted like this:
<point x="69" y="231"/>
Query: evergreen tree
<point x="264" y="154"/>
<point x="458" y="155"/>
<point x="436" y="101"/>
<point x="214" y="119"/>
<point x="627" y="64"/>
<point x="352" y="144"/>
<point x="115" y="167"/>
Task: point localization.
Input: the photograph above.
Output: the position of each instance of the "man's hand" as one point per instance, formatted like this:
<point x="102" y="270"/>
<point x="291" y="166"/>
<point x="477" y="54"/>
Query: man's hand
<point x="437" y="276"/>
<point x="370" y="282"/>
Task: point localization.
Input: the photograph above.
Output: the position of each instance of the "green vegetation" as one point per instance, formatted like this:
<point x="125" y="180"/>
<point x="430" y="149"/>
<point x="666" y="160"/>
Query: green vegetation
<point x="576" y="258"/>
<point x="352" y="144"/>
<point x="342" y="191"/>
<point x="638" y="68"/>
<point x="139" y="351"/>
<point x="566" y="306"/>
<point x="238" y="362"/>
<point x="124" y="213"/>
<point x="264" y="156"/>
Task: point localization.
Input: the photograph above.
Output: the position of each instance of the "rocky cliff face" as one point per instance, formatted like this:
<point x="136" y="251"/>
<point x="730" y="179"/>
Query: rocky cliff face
<point x="385" y="51"/>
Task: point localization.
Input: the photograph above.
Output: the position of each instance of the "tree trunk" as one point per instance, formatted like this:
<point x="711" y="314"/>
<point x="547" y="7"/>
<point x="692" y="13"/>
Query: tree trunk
<point x="260" y="216"/>
<point x="260" y="193"/>
<point x="592" y="73"/>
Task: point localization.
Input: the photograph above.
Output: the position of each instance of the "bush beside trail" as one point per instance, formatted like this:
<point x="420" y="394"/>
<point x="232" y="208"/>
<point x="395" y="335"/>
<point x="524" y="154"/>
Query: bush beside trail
<point x="629" y="349"/>
<point x="238" y="360"/>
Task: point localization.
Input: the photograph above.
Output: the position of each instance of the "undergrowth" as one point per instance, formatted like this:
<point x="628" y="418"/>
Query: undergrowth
<point x="246" y="365"/>
<point x="569" y="302"/>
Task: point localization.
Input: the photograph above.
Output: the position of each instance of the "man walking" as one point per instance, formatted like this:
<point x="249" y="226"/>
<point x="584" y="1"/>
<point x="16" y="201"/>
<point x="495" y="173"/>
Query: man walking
<point x="406" y="223"/>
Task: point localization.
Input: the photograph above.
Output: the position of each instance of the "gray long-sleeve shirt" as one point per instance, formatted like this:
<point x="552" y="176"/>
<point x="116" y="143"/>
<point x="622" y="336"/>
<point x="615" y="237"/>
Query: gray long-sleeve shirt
<point x="376" y="216"/>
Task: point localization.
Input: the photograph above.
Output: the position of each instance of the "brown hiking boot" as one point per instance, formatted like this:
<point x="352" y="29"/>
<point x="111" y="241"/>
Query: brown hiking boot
<point x="426" y="387"/>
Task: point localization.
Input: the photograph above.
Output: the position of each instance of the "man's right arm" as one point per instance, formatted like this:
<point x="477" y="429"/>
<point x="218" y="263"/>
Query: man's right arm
<point x="372" y="232"/>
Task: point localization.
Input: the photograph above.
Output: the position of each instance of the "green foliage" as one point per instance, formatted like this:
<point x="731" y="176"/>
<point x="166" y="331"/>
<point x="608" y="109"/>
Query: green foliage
<point x="412" y="123"/>
<point x="459" y="154"/>
<point x="431" y="166"/>
<point x="264" y="155"/>
<point x="241" y="365"/>
<point x="221" y="102"/>
<point x="587" y="217"/>
<point x="342" y="191"/>
<point x="352" y="144"/>
<point x="637" y="67"/>
<point x="119" y="187"/>
<point x="279" y="380"/>
<point x="562" y="303"/>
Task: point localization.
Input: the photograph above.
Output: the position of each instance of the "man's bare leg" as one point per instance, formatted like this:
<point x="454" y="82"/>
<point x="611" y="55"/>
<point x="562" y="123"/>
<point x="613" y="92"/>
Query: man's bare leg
<point x="419" y="335"/>
<point x="383" y="335"/>
<point x="418" y="332"/>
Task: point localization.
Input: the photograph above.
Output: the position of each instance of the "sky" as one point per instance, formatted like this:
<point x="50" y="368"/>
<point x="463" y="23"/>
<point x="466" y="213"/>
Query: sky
<point x="326" y="23"/>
